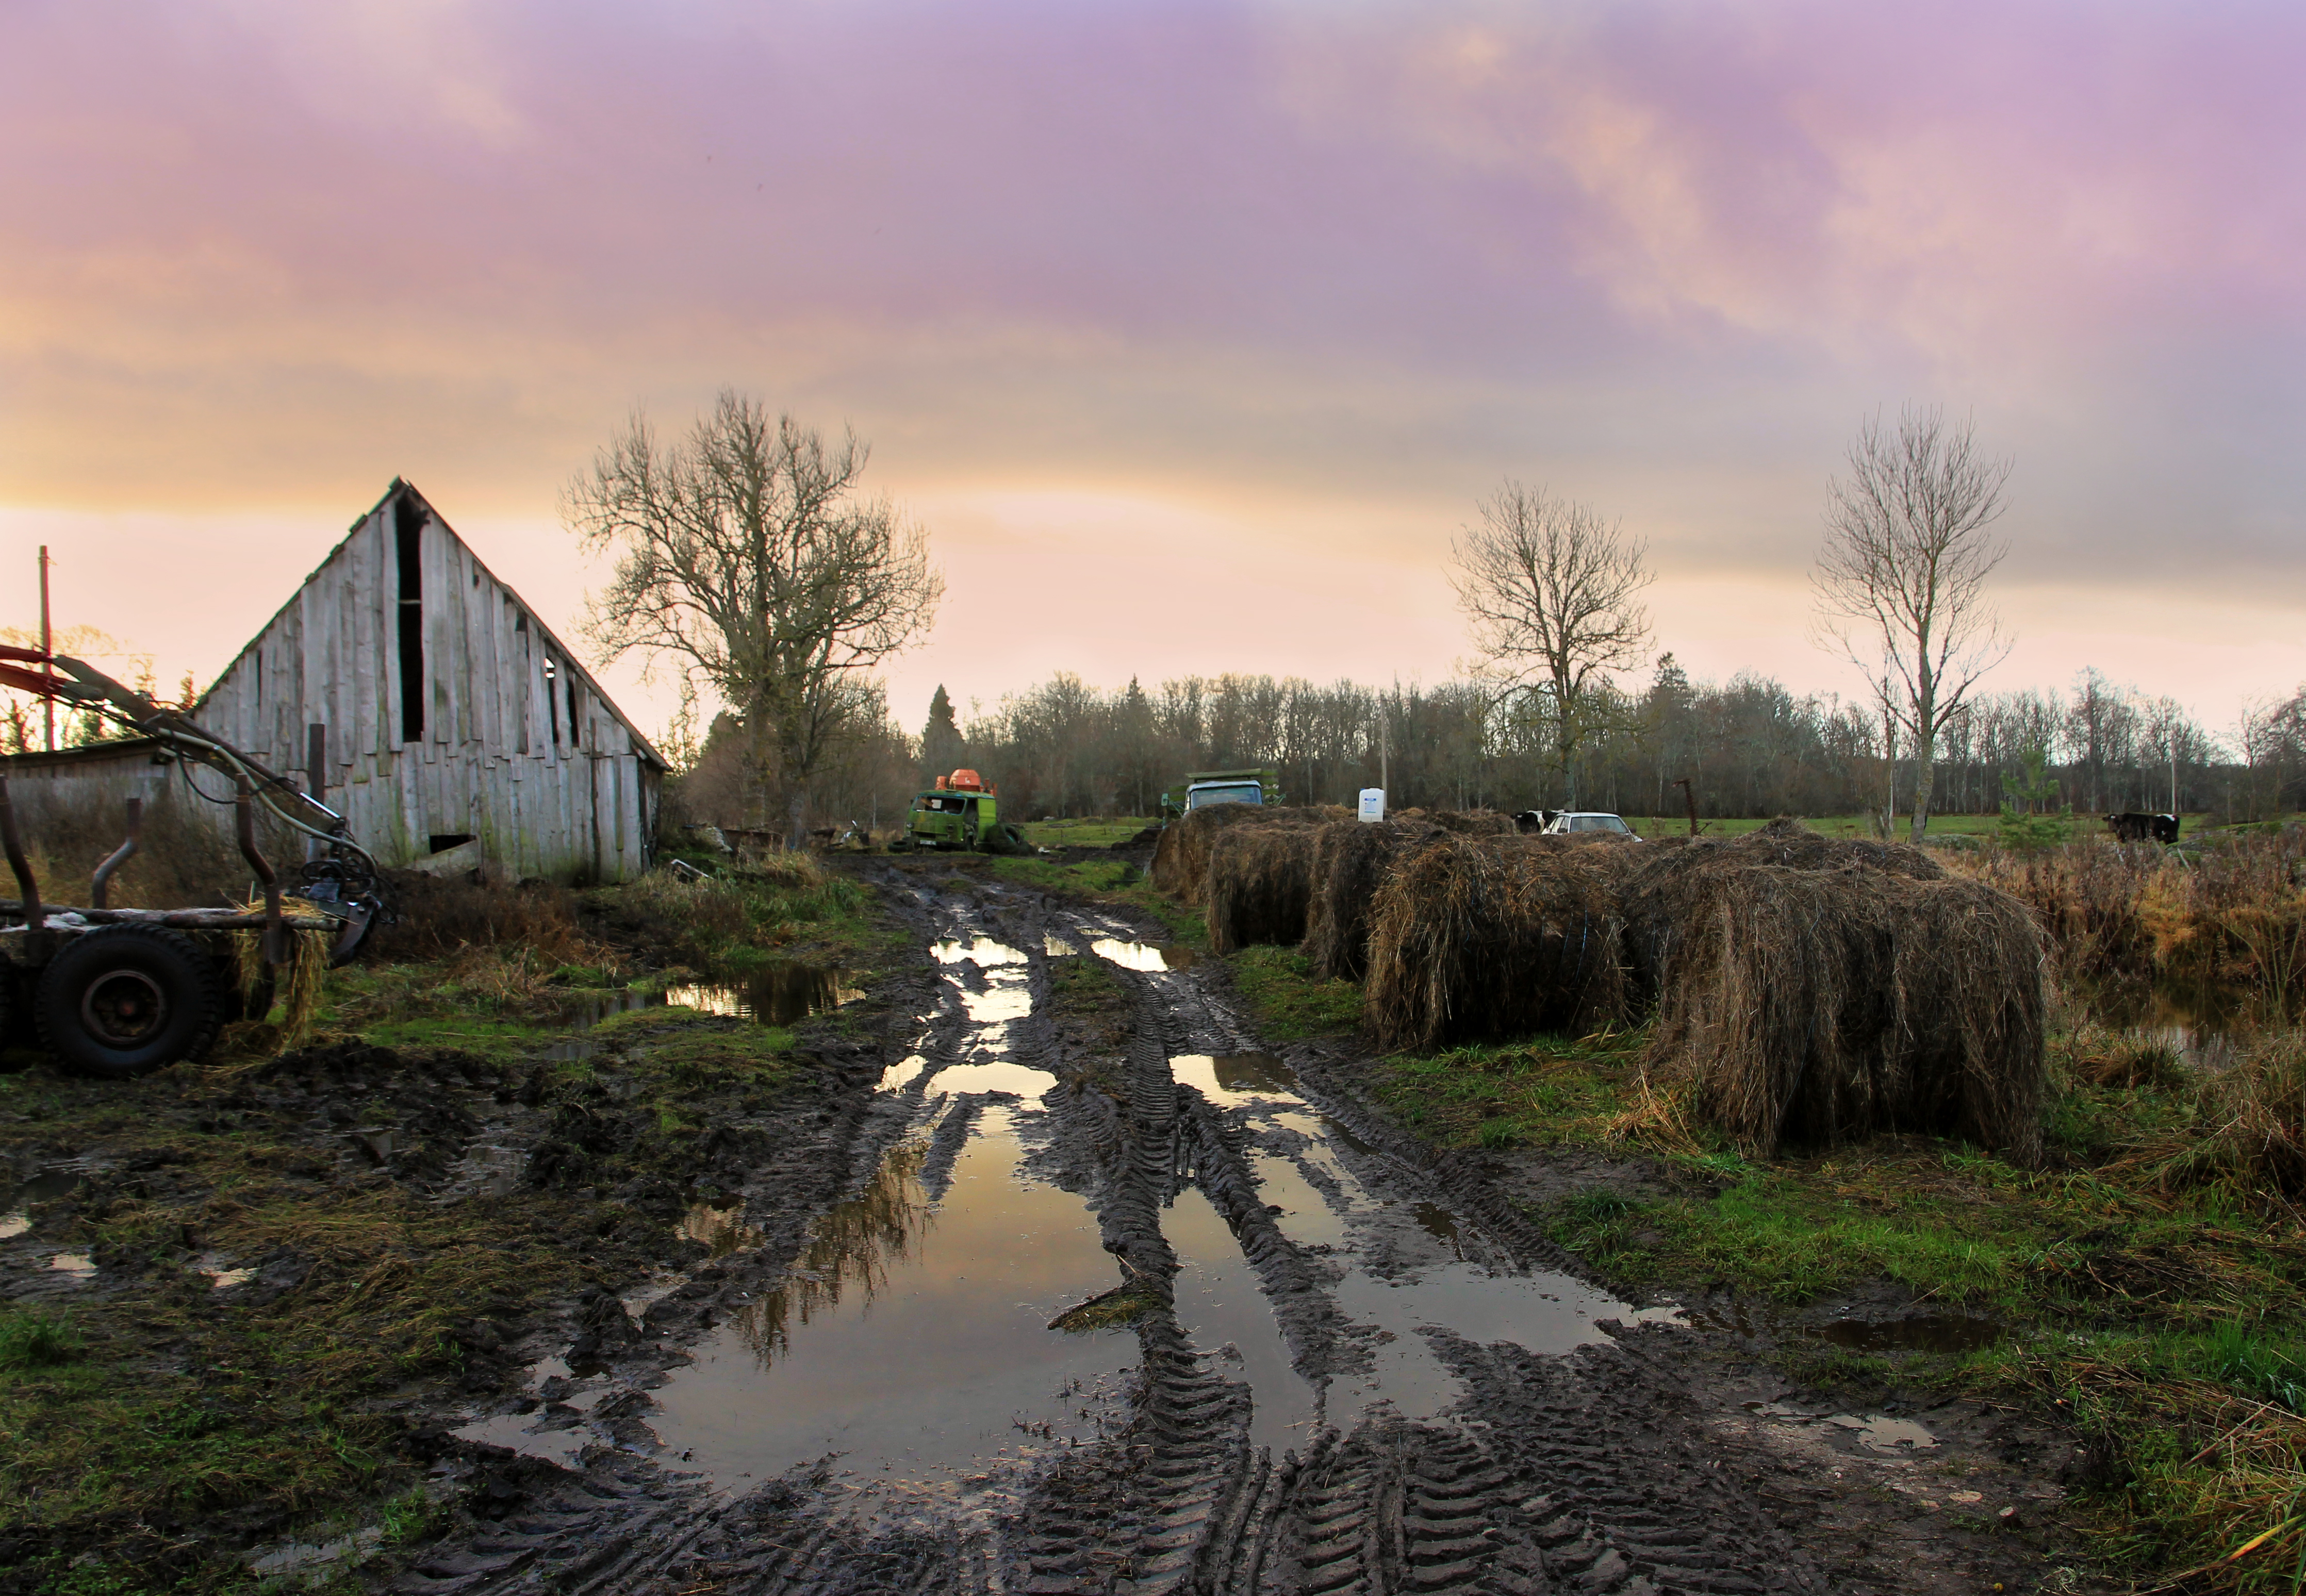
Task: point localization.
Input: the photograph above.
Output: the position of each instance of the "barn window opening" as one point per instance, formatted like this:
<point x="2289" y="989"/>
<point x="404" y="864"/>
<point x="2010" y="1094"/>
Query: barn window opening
<point x="407" y="525"/>
<point x="442" y="841"/>
<point x="552" y="698"/>
<point x="575" y="737"/>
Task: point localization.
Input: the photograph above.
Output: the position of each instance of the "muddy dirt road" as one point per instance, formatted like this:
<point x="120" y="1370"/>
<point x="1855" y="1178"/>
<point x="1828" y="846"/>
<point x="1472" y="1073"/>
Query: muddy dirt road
<point x="1088" y="1293"/>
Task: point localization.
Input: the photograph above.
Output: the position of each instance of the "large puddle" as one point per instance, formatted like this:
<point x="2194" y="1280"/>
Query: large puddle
<point x="913" y="1336"/>
<point x="914" y="1339"/>
<point x="1408" y="1267"/>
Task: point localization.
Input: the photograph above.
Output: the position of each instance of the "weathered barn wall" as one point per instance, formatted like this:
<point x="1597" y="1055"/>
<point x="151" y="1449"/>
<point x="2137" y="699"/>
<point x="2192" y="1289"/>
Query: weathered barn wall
<point x="71" y="809"/>
<point x="451" y="712"/>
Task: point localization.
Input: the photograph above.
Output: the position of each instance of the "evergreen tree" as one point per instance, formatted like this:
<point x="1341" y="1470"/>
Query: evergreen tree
<point x="942" y="748"/>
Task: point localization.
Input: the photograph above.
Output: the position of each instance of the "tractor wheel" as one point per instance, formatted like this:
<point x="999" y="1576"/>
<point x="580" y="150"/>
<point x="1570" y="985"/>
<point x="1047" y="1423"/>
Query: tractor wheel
<point x="126" y="999"/>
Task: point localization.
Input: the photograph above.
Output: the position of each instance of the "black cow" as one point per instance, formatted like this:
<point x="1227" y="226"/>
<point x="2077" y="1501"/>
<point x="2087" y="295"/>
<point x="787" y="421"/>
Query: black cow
<point x="2139" y="828"/>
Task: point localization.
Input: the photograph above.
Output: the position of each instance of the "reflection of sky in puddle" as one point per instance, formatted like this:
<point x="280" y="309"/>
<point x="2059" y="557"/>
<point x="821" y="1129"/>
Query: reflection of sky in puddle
<point x="782" y="992"/>
<point x="1219" y="1301"/>
<point x="1235" y="1078"/>
<point x="998" y="1075"/>
<point x="1007" y="994"/>
<point x="80" y="1266"/>
<point x="14" y="1225"/>
<point x="910" y="1337"/>
<point x="221" y="1275"/>
<point x="980" y="951"/>
<point x="1144" y="956"/>
<point x="1543" y="1312"/>
<point x="722" y="1231"/>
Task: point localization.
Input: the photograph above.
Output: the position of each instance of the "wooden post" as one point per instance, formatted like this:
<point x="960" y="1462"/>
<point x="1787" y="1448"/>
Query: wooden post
<point x="47" y="646"/>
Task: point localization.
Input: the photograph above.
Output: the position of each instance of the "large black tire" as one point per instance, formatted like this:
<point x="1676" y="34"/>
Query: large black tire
<point x="126" y="999"/>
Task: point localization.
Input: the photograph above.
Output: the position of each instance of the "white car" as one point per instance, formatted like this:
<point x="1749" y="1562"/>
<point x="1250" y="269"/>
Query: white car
<point x="1565" y="822"/>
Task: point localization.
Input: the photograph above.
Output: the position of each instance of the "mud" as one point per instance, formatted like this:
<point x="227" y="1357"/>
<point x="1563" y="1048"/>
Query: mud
<point x="1045" y="1276"/>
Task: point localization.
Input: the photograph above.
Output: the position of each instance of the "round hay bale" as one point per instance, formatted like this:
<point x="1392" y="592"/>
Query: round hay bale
<point x="1476" y="938"/>
<point x="1675" y="876"/>
<point x="1820" y="1005"/>
<point x="1181" y="859"/>
<point x="1259" y="880"/>
<point x="1350" y="860"/>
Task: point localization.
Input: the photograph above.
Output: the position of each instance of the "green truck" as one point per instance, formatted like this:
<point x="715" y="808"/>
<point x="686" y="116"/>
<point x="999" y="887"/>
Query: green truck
<point x="960" y="814"/>
<point x="1204" y="788"/>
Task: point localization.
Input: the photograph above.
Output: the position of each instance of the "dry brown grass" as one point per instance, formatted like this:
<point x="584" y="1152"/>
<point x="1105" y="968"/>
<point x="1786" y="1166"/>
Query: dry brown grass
<point x="1820" y="1005"/>
<point x="1476" y="938"/>
<point x="1350" y="860"/>
<point x="1464" y="823"/>
<point x="438" y="918"/>
<point x="2233" y="912"/>
<point x="187" y="857"/>
<point x="1259" y="880"/>
<point x="1674" y="875"/>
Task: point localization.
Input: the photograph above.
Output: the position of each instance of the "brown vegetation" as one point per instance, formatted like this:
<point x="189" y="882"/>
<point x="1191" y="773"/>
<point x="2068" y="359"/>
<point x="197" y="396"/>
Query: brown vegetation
<point x="434" y="918"/>
<point x="1465" y="823"/>
<point x="1181" y="858"/>
<point x="1258" y="881"/>
<point x="183" y="860"/>
<point x="1819" y="1005"/>
<point x="1473" y="938"/>
<point x="2236" y="912"/>
<point x="1350" y="860"/>
<point x="1672" y="875"/>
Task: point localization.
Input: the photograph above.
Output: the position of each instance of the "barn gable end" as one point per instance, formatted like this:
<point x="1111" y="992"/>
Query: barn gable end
<point x="452" y="712"/>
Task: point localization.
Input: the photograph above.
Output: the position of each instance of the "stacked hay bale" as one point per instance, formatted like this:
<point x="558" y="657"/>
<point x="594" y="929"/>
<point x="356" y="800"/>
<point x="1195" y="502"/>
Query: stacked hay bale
<point x="1181" y="859"/>
<point x="1256" y="884"/>
<point x="1479" y="937"/>
<point x="1820" y="1004"/>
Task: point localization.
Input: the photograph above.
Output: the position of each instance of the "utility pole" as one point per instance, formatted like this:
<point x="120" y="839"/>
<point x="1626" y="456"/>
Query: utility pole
<point x="47" y="646"/>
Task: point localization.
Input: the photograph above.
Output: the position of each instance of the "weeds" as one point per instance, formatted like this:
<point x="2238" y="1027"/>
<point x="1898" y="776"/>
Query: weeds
<point x="38" y="1340"/>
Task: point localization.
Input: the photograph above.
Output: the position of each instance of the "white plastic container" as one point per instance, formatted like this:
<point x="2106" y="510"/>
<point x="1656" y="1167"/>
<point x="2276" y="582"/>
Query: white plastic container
<point x="1372" y="803"/>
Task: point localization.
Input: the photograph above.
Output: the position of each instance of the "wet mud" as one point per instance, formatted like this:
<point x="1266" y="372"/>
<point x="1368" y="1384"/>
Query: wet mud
<point x="1045" y="1276"/>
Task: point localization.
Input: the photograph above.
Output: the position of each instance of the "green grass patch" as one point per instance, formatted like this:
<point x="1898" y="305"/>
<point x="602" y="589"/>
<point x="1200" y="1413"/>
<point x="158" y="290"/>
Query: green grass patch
<point x="1084" y="832"/>
<point x="1290" y="1002"/>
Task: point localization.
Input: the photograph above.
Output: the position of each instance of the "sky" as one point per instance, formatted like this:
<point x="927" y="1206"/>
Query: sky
<point x="1191" y="332"/>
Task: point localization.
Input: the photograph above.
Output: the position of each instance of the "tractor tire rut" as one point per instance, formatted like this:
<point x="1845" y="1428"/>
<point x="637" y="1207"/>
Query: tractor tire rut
<point x="1592" y="1469"/>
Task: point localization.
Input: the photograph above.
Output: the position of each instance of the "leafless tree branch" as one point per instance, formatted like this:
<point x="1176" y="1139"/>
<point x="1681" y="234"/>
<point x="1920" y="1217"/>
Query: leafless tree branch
<point x="1900" y="580"/>
<point x="1548" y="590"/>
<point x="746" y="555"/>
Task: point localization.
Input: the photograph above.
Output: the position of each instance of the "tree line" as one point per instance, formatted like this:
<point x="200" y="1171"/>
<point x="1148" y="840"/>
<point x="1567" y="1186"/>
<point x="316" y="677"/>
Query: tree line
<point x="1748" y="747"/>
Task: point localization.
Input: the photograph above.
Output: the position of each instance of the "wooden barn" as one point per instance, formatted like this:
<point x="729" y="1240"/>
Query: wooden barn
<point x="442" y="712"/>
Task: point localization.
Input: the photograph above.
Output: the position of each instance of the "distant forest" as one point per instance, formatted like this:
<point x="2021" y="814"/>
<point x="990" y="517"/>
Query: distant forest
<point x="1748" y="747"/>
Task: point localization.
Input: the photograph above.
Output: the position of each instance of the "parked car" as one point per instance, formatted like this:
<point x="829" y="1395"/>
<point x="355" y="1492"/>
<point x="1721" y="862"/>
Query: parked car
<point x="1567" y="820"/>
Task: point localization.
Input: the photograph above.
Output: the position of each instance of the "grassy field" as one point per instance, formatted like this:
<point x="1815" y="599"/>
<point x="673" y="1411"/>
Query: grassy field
<point x="1106" y="832"/>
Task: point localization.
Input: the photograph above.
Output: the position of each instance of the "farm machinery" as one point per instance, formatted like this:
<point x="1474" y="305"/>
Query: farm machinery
<point x="115" y="993"/>
<point x="961" y="813"/>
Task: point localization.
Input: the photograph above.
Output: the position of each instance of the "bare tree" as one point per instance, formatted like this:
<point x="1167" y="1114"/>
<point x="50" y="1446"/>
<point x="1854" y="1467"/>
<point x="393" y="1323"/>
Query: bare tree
<point x="746" y="555"/>
<point x="1900" y="581"/>
<point x="1549" y="588"/>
